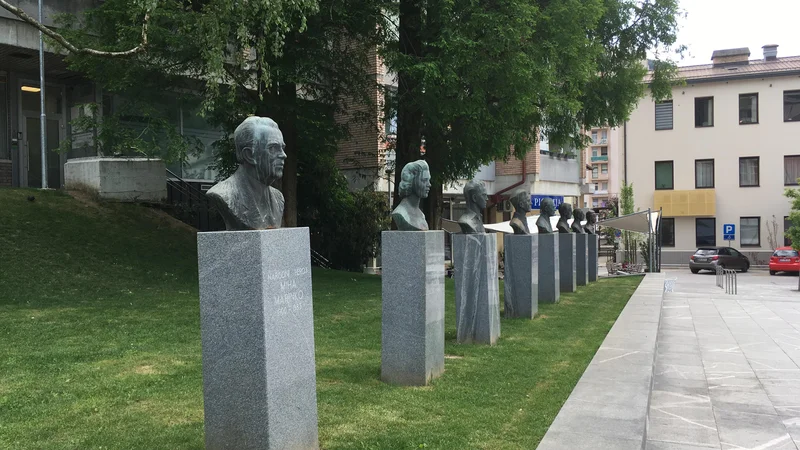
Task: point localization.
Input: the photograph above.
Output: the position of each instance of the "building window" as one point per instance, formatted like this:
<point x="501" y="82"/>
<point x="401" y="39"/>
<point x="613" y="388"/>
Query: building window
<point x="603" y="168"/>
<point x="750" y="231"/>
<point x="667" y="232"/>
<point x="594" y="151"/>
<point x="595" y="172"/>
<point x="786" y="225"/>
<point x="604" y="136"/>
<point x="748" y="108"/>
<point x="594" y="137"/>
<point x="703" y="173"/>
<point x="791" y="106"/>
<point x="664" y="175"/>
<point x="791" y="170"/>
<point x="604" y="186"/>
<point x="595" y="203"/>
<point x="704" y="112"/>
<point x="664" y="115"/>
<point x="603" y="151"/>
<point x="705" y="232"/>
<point x="748" y="172"/>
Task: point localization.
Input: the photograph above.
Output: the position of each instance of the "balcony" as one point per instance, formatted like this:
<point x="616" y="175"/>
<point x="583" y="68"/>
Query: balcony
<point x="559" y="170"/>
<point x="603" y="158"/>
<point x="692" y="203"/>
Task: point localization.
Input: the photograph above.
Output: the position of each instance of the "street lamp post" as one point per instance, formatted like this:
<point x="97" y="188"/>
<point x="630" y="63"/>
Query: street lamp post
<point x="43" y="116"/>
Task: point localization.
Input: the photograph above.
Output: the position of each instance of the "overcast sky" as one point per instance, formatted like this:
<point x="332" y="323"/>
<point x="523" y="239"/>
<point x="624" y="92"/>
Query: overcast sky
<point x="720" y="24"/>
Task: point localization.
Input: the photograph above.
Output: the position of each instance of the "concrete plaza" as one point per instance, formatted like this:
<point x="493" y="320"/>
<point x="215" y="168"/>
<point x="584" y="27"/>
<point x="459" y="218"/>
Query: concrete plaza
<point x="693" y="369"/>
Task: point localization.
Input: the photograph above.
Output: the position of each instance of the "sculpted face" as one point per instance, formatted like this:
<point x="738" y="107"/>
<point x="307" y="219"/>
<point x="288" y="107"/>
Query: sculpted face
<point x="480" y="198"/>
<point x="591" y="217"/>
<point x="548" y="208"/>
<point x="422" y="184"/>
<point x="269" y="155"/>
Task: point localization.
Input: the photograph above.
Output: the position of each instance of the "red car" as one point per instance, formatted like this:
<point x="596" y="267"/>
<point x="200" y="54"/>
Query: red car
<point x="785" y="259"/>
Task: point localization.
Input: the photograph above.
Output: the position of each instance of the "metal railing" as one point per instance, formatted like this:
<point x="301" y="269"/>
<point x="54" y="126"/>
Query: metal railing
<point x="727" y="279"/>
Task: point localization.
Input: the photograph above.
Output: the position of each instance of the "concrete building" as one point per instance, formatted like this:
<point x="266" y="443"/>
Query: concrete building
<point x="65" y="92"/>
<point x="605" y="158"/>
<point x="721" y="151"/>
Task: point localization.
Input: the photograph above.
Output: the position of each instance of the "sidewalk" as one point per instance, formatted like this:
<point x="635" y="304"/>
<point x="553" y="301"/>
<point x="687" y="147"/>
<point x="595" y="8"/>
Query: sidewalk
<point x="724" y="371"/>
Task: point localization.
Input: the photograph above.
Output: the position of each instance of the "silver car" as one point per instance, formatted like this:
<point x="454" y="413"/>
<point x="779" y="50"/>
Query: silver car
<point x="709" y="258"/>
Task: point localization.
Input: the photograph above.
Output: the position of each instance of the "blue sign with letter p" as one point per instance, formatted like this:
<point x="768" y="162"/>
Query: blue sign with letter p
<point x="729" y="232"/>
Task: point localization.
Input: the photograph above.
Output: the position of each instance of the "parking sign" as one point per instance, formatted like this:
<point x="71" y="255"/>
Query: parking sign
<point x="729" y="232"/>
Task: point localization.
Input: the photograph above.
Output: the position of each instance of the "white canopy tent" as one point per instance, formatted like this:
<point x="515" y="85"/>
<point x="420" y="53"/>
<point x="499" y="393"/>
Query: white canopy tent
<point x="645" y="222"/>
<point x="503" y="227"/>
<point x="640" y="222"/>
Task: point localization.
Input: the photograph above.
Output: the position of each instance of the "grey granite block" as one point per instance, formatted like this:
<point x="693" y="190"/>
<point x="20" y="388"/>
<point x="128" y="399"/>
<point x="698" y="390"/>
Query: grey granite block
<point x="412" y="326"/>
<point x="592" y="247"/>
<point x="521" y="275"/>
<point x="581" y="259"/>
<point x="566" y="262"/>
<point x="477" y="296"/>
<point x="257" y="327"/>
<point x="549" y="268"/>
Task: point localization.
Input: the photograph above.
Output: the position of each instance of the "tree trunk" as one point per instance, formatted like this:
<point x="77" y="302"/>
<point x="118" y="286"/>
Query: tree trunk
<point x="409" y="115"/>
<point x="288" y="102"/>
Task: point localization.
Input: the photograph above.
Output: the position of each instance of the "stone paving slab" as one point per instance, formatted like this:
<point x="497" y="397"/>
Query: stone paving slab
<point x="713" y="371"/>
<point x="726" y="367"/>
<point x="608" y="407"/>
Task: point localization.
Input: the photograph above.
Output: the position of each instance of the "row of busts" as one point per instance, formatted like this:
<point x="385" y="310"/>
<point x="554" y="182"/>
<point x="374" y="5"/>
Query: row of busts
<point x="415" y="185"/>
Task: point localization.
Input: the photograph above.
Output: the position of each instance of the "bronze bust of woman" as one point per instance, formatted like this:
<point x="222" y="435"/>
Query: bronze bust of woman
<point x="415" y="184"/>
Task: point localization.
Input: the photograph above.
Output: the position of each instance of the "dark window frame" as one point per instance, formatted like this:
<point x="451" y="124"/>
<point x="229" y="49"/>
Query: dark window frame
<point x="758" y="172"/>
<point x="758" y="109"/>
<point x="741" y="228"/>
<point x="663" y="221"/>
<point x="713" y="174"/>
<point x="713" y="228"/>
<point x="794" y="92"/>
<point x="672" y="115"/>
<point x="786" y="241"/>
<point x="784" y="168"/>
<point x="698" y="99"/>
<point x="655" y="176"/>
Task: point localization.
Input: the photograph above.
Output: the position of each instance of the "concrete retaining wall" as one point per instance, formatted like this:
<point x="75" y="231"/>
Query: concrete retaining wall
<point x="121" y="179"/>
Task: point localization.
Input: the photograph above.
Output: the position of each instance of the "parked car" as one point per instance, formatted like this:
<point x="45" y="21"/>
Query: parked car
<point x="709" y="258"/>
<point x="785" y="259"/>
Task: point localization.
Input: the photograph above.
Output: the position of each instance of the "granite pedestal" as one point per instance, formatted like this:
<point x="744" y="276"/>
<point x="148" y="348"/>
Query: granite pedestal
<point x="257" y="333"/>
<point x="581" y="259"/>
<point x="412" y="324"/>
<point x="521" y="275"/>
<point x="566" y="261"/>
<point x="549" y="268"/>
<point x="477" y="296"/>
<point x="592" y="256"/>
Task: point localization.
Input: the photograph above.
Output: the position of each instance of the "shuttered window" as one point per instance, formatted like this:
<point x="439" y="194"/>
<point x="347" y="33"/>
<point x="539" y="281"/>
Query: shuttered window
<point x="664" y="115"/>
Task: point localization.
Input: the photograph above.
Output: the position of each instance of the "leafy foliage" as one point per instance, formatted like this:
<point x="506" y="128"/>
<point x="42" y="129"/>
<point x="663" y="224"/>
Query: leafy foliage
<point x="793" y="232"/>
<point x="630" y="239"/>
<point x="482" y="78"/>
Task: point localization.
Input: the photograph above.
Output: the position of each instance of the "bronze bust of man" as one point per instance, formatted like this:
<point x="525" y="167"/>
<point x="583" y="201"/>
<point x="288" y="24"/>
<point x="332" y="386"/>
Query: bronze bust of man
<point x="565" y="210"/>
<point x="415" y="184"/>
<point x="246" y="200"/>
<point x="546" y="211"/>
<point x="471" y="221"/>
<point x="522" y="205"/>
<point x="577" y="214"/>
<point x="591" y="221"/>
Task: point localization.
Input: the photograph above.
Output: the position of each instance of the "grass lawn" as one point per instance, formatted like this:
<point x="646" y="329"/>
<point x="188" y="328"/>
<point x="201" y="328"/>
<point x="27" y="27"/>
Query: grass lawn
<point x="99" y="325"/>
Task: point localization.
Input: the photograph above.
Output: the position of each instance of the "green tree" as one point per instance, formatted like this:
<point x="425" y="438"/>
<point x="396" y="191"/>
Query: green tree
<point x="629" y="239"/>
<point x="301" y="63"/>
<point x="478" y="79"/>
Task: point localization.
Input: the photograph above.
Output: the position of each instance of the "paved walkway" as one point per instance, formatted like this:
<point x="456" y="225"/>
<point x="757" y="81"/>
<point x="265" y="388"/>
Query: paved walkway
<point x="724" y="372"/>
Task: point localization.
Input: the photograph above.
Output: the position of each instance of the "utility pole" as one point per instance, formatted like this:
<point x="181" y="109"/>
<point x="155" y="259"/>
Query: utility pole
<point x="43" y="122"/>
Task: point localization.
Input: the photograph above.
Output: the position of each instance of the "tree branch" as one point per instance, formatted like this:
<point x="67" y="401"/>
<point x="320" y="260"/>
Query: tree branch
<point x="69" y="46"/>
